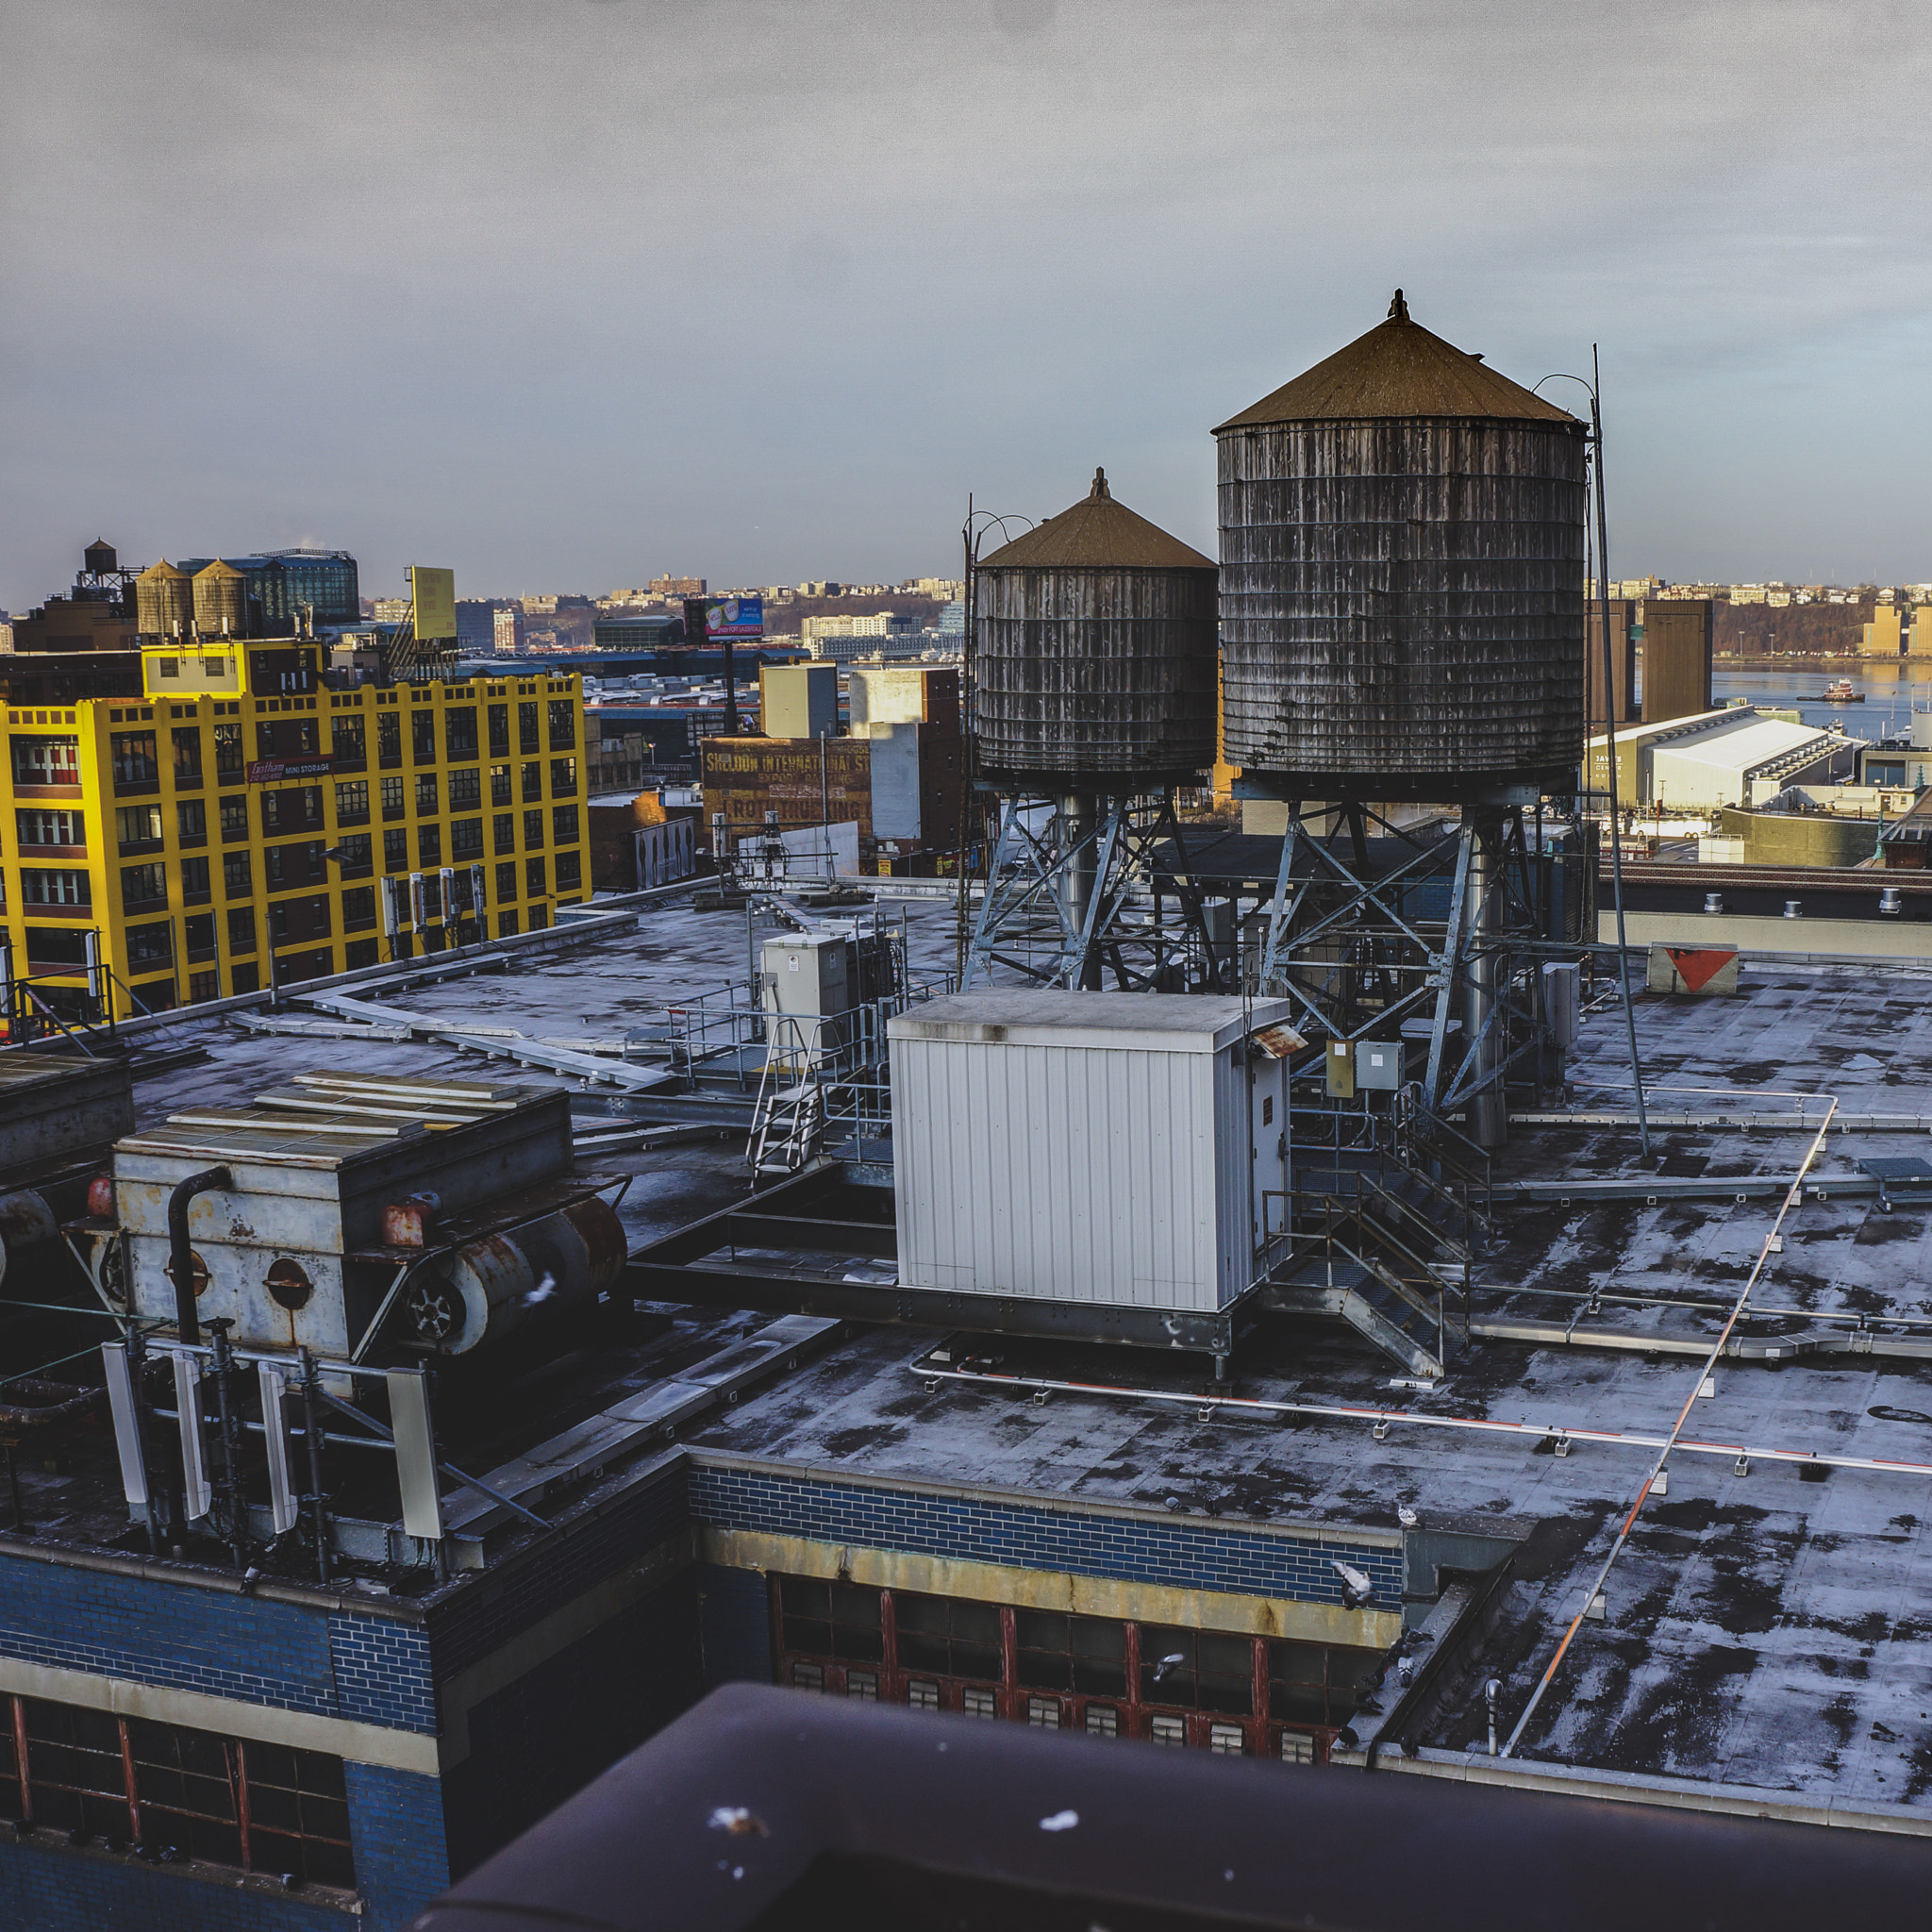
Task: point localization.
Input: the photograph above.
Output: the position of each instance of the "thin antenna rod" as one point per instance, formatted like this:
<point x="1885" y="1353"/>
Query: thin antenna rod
<point x="1603" y="584"/>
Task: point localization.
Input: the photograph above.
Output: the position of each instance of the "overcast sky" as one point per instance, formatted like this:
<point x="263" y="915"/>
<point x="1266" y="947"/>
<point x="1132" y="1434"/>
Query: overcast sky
<point x="566" y="293"/>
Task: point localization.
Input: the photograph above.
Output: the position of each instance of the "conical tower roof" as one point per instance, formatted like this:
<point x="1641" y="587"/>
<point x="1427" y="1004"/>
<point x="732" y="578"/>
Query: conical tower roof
<point x="1096" y="533"/>
<point x="217" y="569"/>
<point x="1399" y="369"/>
<point x="163" y="569"/>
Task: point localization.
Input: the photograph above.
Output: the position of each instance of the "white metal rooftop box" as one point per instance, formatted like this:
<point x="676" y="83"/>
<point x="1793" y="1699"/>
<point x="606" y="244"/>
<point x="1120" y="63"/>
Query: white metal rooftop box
<point x="1099" y="1147"/>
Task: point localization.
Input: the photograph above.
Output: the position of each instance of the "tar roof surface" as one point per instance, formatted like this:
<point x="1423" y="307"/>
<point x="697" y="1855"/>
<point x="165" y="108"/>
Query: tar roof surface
<point x="1762" y="1629"/>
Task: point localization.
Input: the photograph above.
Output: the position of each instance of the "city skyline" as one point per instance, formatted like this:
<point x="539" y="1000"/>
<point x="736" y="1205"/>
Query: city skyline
<point x="535" y="291"/>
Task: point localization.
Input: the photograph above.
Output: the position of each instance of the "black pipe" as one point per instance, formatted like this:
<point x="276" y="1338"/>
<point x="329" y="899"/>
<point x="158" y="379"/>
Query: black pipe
<point x="180" y="1256"/>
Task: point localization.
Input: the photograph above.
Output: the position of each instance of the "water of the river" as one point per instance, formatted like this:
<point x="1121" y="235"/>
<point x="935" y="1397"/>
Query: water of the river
<point x="1890" y="689"/>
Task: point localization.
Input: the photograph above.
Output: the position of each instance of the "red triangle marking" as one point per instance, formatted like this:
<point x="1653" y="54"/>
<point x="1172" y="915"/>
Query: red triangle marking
<point x="1696" y="967"/>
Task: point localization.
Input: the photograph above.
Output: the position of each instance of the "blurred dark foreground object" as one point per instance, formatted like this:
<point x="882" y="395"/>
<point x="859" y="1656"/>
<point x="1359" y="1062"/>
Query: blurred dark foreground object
<point x="775" y="1811"/>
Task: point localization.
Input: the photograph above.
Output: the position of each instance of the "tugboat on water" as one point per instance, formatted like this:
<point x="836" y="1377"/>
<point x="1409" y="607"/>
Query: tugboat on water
<point x="1841" y="692"/>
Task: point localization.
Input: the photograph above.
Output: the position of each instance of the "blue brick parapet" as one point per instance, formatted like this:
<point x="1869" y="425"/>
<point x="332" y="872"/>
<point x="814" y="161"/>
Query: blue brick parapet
<point x="978" y="1526"/>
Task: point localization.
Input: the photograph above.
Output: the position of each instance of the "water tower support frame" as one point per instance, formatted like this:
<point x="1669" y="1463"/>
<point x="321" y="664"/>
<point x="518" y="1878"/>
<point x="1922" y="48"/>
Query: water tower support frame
<point x="1081" y="884"/>
<point x="1346" y="945"/>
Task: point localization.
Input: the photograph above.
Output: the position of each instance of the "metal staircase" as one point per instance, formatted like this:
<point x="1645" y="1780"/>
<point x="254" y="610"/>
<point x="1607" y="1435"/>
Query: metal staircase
<point x="1390" y="1255"/>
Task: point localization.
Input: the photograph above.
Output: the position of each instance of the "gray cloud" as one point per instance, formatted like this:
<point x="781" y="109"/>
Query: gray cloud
<point x="567" y="291"/>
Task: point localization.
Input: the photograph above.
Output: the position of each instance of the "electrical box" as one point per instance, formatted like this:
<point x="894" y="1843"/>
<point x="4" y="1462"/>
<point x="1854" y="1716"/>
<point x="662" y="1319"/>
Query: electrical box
<point x="1342" y="1069"/>
<point x="1379" y="1065"/>
<point x="810" y="985"/>
<point x="1562" y="986"/>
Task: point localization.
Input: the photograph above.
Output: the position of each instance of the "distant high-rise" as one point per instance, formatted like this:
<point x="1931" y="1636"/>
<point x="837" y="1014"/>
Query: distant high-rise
<point x="509" y="630"/>
<point x="679" y="587"/>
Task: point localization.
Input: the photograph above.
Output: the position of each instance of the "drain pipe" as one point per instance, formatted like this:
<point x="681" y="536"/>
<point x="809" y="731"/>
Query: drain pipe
<point x="180" y="1256"/>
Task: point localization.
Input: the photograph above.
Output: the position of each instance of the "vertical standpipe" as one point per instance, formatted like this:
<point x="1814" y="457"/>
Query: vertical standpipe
<point x="1077" y="815"/>
<point x="1484" y="1022"/>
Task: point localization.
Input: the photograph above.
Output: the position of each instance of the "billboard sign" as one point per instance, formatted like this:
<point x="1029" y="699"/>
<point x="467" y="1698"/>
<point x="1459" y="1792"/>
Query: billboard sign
<point x="433" y="599"/>
<point x="731" y="617"/>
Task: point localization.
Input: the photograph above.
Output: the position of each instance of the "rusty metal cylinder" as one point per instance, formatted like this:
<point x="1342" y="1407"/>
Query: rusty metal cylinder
<point x="1402" y="577"/>
<point x="1094" y="655"/>
<point x="507" y="1281"/>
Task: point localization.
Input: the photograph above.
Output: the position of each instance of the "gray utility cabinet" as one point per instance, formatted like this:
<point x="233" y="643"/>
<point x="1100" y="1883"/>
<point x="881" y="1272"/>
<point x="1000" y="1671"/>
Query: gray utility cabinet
<point x="1093" y="1147"/>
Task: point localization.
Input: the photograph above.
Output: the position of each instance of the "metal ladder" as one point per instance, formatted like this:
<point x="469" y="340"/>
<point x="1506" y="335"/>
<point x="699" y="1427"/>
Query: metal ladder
<point x="789" y="1122"/>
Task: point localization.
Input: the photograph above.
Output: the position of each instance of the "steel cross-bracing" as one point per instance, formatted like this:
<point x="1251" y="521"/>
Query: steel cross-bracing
<point x="1447" y="933"/>
<point x="1086" y="888"/>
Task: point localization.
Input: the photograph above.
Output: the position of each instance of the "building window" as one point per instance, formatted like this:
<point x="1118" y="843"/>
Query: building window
<point x="563" y="725"/>
<point x="234" y="816"/>
<point x="228" y="759"/>
<point x="1168" y="1730"/>
<point x="360" y="952"/>
<point x="389" y="738"/>
<point x="242" y="936"/>
<point x="429" y="847"/>
<point x="1198" y="1669"/>
<point x="532" y="782"/>
<point x="143" y="885"/>
<point x="204" y="986"/>
<point x="466" y="839"/>
<point x="533" y="831"/>
<point x="1103" y="1721"/>
<point x="808" y="1676"/>
<point x="191" y="822"/>
<point x="150" y="946"/>
<point x="922" y="1694"/>
<point x="569" y="871"/>
<point x="359" y="908"/>
<point x="194" y="882"/>
<point x="37" y="827"/>
<point x="1317" y="1684"/>
<point x="1228" y="1740"/>
<point x="257" y="1808"/>
<point x="526" y="727"/>
<point x="499" y="730"/>
<point x="948" y="1635"/>
<point x="423" y="736"/>
<point x="1297" y="1747"/>
<point x="395" y="851"/>
<point x="198" y="936"/>
<point x="499" y="784"/>
<point x="394" y="803"/>
<point x="288" y="811"/>
<point x="238" y="876"/>
<point x="533" y="878"/>
<point x="459" y="731"/>
<point x="187" y="755"/>
<point x="38" y="888"/>
<point x="138" y="827"/>
<point x="352" y="803"/>
<point x="506" y="925"/>
<point x="465" y="789"/>
<point x="863" y="1685"/>
<point x="563" y="825"/>
<point x="46" y="762"/>
<point x="349" y="741"/>
<point x="506" y="881"/>
<point x="425" y="795"/>
<point x="1043" y="1713"/>
<point x="134" y="759"/>
<point x="352" y="853"/>
<point x="244" y="979"/>
<point x="976" y="1702"/>
<point x="1058" y="1652"/>
<point x="503" y="832"/>
<point x="842" y="1621"/>
<point x="563" y="777"/>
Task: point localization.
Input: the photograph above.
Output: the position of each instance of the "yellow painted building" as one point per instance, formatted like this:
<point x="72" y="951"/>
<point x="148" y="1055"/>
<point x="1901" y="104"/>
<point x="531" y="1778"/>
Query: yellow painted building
<point x="244" y="819"/>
